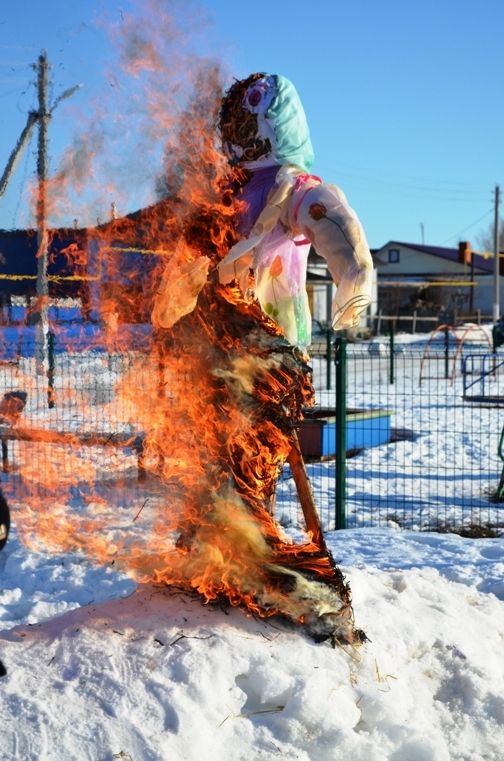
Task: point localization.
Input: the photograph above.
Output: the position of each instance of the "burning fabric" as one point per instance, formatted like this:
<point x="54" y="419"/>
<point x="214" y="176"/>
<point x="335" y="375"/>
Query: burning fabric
<point x="227" y="377"/>
<point x="287" y="210"/>
<point x="246" y="302"/>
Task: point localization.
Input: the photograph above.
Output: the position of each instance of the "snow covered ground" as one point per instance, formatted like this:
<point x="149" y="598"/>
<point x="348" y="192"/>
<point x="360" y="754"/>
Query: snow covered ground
<point x="100" y="669"/>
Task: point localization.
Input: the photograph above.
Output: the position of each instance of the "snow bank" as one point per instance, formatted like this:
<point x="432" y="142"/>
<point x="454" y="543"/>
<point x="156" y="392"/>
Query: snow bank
<point x="149" y="674"/>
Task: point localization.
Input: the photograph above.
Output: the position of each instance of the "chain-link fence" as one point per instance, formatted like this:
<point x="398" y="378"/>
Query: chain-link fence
<point x="423" y="423"/>
<point x="68" y="427"/>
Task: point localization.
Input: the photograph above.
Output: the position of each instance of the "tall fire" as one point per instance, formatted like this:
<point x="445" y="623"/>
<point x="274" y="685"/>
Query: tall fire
<point x="227" y="393"/>
<point x="225" y="373"/>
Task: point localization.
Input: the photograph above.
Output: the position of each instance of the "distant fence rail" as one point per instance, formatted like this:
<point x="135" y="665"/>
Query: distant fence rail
<point x="419" y="321"/>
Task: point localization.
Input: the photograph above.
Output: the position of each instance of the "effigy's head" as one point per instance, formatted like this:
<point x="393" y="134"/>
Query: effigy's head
<point x="263" y="121"/>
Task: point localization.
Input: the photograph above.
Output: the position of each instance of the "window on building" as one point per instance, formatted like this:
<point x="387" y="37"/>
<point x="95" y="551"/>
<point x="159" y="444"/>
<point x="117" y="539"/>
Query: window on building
<point x="393" y="255"/>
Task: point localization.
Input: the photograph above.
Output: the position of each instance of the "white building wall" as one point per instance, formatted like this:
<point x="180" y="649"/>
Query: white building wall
<point x="412" y="262"/>
<point x="484" y="295"/>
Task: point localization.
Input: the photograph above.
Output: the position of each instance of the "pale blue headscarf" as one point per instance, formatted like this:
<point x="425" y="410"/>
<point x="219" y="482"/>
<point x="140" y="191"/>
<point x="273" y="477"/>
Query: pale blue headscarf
<point x="293" y="143"/>
<point x="281" y="120"/>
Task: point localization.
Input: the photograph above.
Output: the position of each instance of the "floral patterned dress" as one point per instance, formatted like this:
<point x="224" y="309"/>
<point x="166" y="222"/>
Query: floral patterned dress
<point x="287" y="210"/>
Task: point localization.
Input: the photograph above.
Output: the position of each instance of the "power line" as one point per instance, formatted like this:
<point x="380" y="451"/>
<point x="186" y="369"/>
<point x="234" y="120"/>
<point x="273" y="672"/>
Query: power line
<point x="15" y="65"/>
<point x="443" y="193"/>
<point x="9" y="92"/>
<point x="415" y="195"/>
<point x="490" y="211"/>
<point x="22" y="181"/>
<point x="352" y="168"/>
<point x="5" y="46"/>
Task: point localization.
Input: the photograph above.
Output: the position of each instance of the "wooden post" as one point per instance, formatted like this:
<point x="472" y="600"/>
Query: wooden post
<point x="42" y="324"/>
<point x="305" y="493"/>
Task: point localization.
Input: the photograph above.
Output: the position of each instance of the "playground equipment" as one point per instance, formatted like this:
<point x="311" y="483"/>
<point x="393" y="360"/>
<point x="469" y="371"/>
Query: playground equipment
<point x="499" y="495"/>
<point x="479" y="371"/>
<point x="460" y="336"/>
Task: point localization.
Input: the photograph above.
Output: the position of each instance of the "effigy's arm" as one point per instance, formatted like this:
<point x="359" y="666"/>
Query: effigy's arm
<point x="321" y="212"/>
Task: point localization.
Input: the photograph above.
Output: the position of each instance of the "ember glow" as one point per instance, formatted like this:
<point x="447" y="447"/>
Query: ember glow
<point x="216" y="392"/>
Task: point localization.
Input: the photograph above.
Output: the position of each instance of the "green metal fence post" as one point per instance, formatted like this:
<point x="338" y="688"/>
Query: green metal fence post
<point x="391" y="362"/>
<point x="499" y="495"/>
<point x="341" y="373"/>
<point x="446" y="353"/>
<point x="50" y="369"/>
<point x="329" y="359"/>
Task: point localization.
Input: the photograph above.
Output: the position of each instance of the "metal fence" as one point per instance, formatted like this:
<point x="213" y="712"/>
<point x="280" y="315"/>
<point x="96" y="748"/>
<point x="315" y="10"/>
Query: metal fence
<point x="401" y="436"/>
<point x="65" y="430"/>
<point x="423" y="424"/>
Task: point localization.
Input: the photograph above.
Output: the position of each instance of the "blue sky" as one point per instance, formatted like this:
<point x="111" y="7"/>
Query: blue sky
<point x="404" y="100"/>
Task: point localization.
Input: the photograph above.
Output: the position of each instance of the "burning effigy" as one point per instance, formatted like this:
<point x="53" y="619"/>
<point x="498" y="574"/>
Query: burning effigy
<point x="232" y="316"/>
<point x="226" y="373"/>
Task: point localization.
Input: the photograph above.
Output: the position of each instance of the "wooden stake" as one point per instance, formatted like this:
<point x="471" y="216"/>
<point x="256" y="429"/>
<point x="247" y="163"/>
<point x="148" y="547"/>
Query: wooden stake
<point x="305" y="493"/>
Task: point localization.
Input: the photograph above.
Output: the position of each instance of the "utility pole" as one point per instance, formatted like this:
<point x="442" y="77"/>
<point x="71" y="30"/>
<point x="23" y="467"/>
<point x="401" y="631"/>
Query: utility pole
<point x="496" y="303"/>
<point x="40" y="117"/>
<point x="42" y="307"/>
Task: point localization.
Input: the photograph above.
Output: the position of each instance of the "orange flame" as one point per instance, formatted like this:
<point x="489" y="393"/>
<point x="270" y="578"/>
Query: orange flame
<point x="216" y="392"/>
